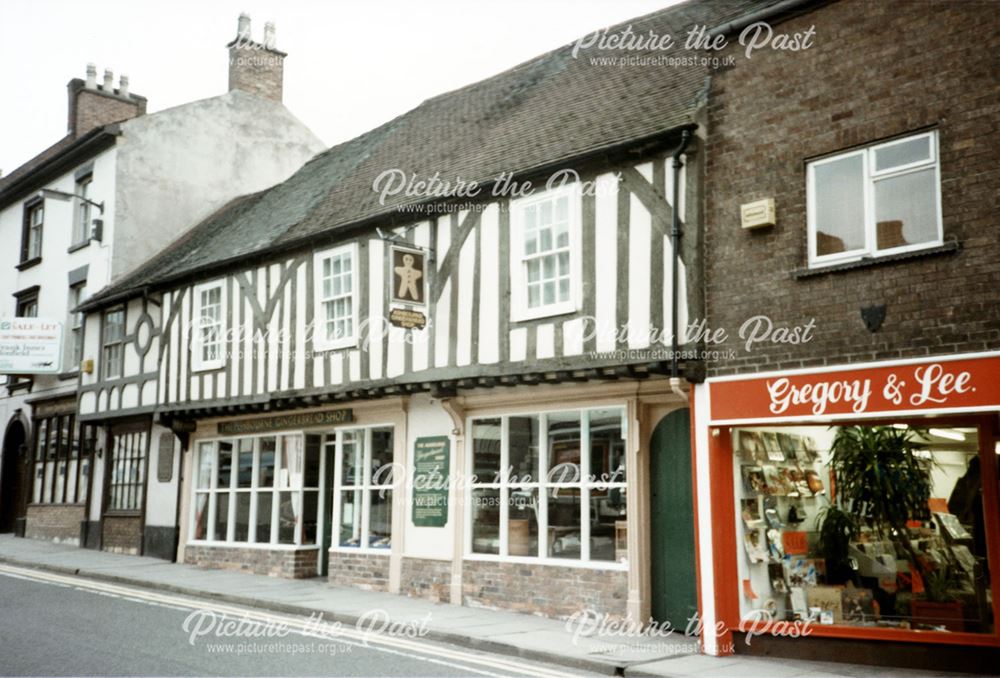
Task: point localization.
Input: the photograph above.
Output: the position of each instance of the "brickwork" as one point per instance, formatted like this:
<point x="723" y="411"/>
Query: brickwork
<point x="122" y="534"/>
<point x="90" y="108"/>
<point x="546" y="590"/>
<point x="257" y="70"/>
<point x="292" y="564"/>
<point x="424" y="578"/>
<point x="875" y="70"/>
<point x="368" y="571"/>
<point x="55" y="522"/>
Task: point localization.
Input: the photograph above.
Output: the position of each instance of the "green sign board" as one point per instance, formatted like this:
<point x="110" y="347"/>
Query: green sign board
<point x="431" y="458"/>
<point x="280" y="422"/>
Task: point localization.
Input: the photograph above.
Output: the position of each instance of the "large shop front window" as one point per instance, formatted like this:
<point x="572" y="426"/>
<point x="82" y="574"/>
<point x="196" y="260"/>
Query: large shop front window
<point x="128" y="470"/>
<point x="364" y="488"/>
<point x="866" y="526"/>
<point x="63" y="452"/>
<point x="549" y="486"/>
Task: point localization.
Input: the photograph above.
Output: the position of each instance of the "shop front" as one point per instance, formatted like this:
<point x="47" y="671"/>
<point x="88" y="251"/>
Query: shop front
<point x="854" y="507"/>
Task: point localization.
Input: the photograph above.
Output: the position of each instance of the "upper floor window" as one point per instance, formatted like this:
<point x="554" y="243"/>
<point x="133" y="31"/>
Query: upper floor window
<point x="883" y="199"/>
<point x="114" y="342"/>
<point x="336" y="312"/>
<point x="81" y="225"/>
<point x="208" y="340"/>
<point x="31" y="238"/>
<point x="76" y="297"/>
<point x="545" y="254"/>
<point x="27" y="303"/>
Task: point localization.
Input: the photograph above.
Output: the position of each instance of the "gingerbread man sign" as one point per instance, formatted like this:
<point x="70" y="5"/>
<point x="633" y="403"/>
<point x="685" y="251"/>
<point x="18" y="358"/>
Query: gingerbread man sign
<point x="408" y="270"/>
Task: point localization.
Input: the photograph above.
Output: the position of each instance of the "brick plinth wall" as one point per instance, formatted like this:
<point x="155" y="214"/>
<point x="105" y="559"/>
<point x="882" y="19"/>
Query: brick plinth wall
<point x="55" y="522"/>
<point x="423" y="578"/>
<point x="122" y="534"/>
<point x="547" y="590"/>
<point x="368" y="571"/>
<point x="291" y="564"/>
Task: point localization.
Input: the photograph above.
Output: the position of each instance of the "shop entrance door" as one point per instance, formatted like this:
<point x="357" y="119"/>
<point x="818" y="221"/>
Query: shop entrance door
<point x="12" y="481"/>
<point x="674" y="592"/>
<point x="327" y="468"/>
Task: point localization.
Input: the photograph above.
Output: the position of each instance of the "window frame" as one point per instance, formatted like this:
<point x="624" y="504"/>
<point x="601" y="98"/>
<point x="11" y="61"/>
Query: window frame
<point x="76" y="324"/>
<point x="198" y="361"/>
<point x="320" y="340"/>
<point x="82" y="210"/>
<point x="32" y="207"/>
<point x="44" y="479"/>
<point x="519" y="310"/>
<point x="542" y="488"/>
<point x="870" y="176"/>
<point x="126" y="474"/>
<point x="120" y="342"/>
<point x="366" y="488"/>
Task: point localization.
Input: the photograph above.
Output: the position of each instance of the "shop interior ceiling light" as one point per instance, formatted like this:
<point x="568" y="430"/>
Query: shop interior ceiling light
<point x="947" y="433"/>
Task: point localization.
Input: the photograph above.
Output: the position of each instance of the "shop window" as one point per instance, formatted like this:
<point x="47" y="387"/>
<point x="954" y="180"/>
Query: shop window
<point x="866" y="526"/>
<point x="127" y="476"/>
<point x="545" y="257"/>
<point x="549" y="486"/>
<point x="879" y="200"/>
<point x="363" y="512"/>
<point x="210" y="331"/>
<point x="61" y="462"/>
<point x="336" y="311"/>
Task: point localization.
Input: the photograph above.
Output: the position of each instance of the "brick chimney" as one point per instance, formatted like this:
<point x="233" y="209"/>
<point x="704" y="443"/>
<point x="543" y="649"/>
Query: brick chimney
<point x="256" y="67"/>
<point x="93" y="105"/>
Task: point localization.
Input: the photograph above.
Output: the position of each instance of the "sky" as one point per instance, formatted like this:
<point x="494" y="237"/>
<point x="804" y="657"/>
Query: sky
<point x="351" y="65"/>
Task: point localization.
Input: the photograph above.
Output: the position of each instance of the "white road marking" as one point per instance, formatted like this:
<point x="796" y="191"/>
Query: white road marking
<point x="303" y="627"/>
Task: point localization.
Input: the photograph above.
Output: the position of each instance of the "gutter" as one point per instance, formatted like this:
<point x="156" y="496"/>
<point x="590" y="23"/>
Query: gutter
<point x="782" y="8"/>
<point x="675" y="244"/>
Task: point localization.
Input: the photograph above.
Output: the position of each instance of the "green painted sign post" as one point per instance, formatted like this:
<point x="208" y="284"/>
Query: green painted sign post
<point x="431" y="458"/>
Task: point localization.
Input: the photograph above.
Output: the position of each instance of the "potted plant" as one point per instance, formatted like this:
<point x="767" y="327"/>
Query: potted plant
<point x="837" y="529"/>
<point x="882" y="481"/>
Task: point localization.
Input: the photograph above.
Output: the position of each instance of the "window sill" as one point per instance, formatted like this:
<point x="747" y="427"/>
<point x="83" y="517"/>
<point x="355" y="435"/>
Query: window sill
<point x="71" y="374"/>
<point x="357" y="549"/>
<point x="549" y="562"/>
<point x="249" y="545"/>
<point x="20" y="385"/>
<point x="334" y="346"/>
<point x="123" y="513"/>
<point x="211" y="367"/>
<point x="28" y="263"/>
<point x="544" y="313"/>
<point x="78" y="246"/>
<point x="949" y="247"/>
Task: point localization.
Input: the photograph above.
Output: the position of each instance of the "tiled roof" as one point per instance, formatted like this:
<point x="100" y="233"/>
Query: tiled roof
<point x="552" y="108"/>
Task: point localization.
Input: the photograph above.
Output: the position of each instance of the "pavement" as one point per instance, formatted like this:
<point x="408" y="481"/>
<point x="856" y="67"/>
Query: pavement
<point x="529" y="637"/>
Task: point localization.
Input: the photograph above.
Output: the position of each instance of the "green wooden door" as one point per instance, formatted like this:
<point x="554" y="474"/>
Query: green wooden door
<point x="674" y="586"/>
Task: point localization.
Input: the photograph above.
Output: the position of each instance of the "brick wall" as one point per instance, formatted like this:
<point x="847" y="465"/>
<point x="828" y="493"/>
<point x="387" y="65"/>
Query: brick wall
<point x="424" y="578"/>
<point x="876" y="69"/>
<point x="122" y="534"/>
<point x="257" y="71"/>
<point x="368" y="571"/>
<point x="55" y="522"/>
<point x="293" y="564"/>
<point x="547" y="590"/>
<point x="90" y="108"/>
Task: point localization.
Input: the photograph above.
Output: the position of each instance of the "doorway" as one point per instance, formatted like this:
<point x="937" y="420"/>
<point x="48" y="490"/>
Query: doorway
<point x="11" y="482"/>
<point x="673" y="576"/>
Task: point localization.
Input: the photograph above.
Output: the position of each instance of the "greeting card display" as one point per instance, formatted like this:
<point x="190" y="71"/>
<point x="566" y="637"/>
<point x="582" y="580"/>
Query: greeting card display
<point x="750" y="511"/>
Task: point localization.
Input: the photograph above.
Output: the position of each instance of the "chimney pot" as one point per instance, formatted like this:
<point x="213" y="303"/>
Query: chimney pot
<point x="91" y="76"/>
<point x="243" y="27"/>
<point x="123" y="85"/>
<point x="109" y="81"/>
<point x="269" y="39"/>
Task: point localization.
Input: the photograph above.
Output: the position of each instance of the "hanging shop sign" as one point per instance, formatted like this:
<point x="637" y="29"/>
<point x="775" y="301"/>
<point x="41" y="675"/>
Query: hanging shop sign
<point x="953" y="383"/>
<point x="281" y="422"/>
<point x="30" y="346"/>
<point x="431" y="457"/>
<point x="409" y="277"/>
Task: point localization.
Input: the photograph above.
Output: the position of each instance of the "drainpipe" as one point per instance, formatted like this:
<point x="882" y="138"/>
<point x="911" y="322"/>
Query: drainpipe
<point x="675" y="244"/>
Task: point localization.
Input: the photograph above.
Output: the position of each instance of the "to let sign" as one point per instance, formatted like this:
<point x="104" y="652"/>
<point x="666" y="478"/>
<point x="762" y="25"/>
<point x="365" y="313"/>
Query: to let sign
<point x="431" y="457"/>
<point x="947" y="384"/>
<point x="30" y="346"/>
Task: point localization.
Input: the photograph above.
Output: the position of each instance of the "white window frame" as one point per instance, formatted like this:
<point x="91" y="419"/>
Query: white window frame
<point x="869" y="178"/>
<point x="198" y="345"/>
<point x="504" y="486"/>
<point x="77" y="295"/>
<point x="320" y="341"/>
<point x="519" y="310"/>
<point x="119" y="364"/>
<point x="366" y="487"/>
<point x="82" y="213"/>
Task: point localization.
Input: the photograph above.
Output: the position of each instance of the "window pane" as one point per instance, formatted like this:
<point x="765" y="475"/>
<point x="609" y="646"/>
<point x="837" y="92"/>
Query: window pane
<point x="265" y="473"/>
<point x="564" y="448"/>
<point x="350" y="518"/>
<point x="353" y="453"/>
<point x="839" y="208"/>
<point x="486" y="521"/>
<point x="564" y="523"/>
<point x="242" y="526"/>
<point x="380" y="519"/>
<point x="906" y="209"/>
<point x="245" y="467"/>
<point x="486" y="450"/>
<point x="310" y="520"/>
<point x="381" y="463"/>
<point x="522" y="522"/>
<point x="523" y="449"/>
<point x="607" y="449"/>
<point x="608" y="524"/>
<point x="289" y="515"/>
<point x="290" y="462"/>
<point x="263" y="528"/>
<point x="200" y="515"/>
<point x="221" y="516"/>
<point x="903" y="153"/>
<point x="225" y="464"/>
<point x="311" y="472"/>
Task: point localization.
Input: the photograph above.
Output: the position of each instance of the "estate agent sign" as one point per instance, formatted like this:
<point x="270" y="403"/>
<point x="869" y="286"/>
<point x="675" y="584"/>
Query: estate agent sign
<point x="30" y="346"/>
<point x="430" y="481"/>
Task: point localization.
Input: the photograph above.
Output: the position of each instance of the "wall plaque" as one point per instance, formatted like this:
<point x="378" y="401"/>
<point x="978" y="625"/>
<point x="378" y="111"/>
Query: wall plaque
<point x="431" y="458"/>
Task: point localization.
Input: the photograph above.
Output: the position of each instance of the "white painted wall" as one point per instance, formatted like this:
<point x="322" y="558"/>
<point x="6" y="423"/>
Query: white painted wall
<point x="426" y="418"/>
